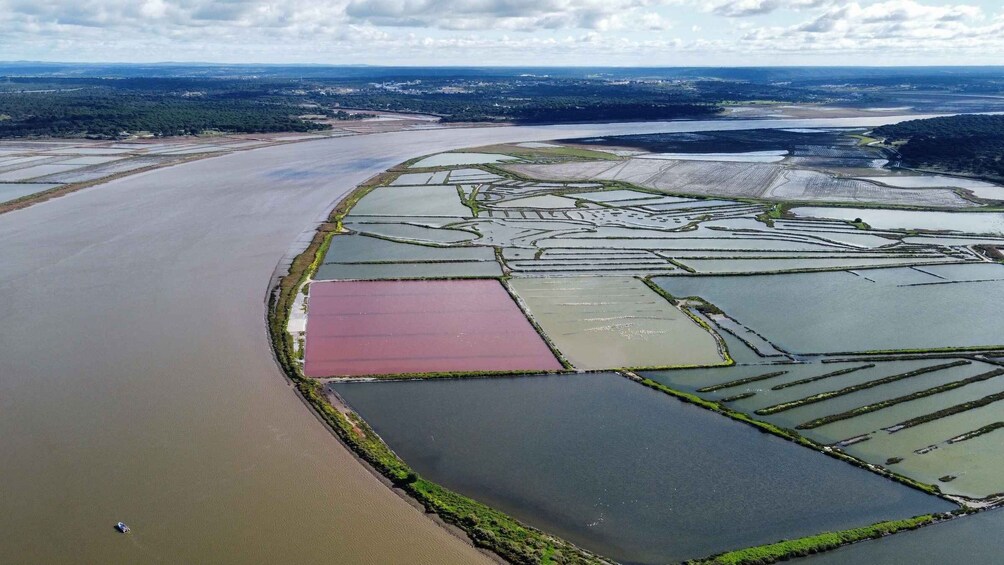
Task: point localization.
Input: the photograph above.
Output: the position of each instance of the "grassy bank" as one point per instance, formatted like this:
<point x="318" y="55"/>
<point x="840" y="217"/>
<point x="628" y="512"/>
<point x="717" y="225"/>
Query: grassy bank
<point x="898" y="400"/>
<point x="789" y="549"/>
<point x="855" y="388"/>
<point x="950" y="411"/>
<point x="831" y="374"/>
<point x="740" y="382"/>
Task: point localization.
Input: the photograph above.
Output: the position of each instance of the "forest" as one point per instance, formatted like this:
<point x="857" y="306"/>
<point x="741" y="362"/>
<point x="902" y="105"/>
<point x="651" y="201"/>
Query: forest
<point x="109" y="107"/>
<point x="970" y="144"/>
<point x="108" y="101"/>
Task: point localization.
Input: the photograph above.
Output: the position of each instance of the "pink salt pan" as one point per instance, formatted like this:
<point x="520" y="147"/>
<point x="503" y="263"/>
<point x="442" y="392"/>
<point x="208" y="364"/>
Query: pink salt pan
<point x="357" y="328"/>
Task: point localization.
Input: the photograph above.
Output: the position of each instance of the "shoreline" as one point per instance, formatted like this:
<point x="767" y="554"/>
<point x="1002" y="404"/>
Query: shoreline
<point x="380" y="459"/>
<point x="352" y="432"/>
<point x="324" y="401"/>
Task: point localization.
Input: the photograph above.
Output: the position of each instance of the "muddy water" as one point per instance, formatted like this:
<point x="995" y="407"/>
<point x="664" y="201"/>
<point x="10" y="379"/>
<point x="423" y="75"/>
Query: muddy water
<point x="137" y="384"/>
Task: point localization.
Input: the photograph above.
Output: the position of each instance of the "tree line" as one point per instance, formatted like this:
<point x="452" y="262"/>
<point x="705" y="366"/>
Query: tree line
<point x="971" y="144"/>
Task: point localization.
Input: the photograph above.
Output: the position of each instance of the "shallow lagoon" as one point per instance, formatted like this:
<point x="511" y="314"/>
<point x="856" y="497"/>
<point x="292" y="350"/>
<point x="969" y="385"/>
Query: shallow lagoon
<point x="621" y="469"/>
<point x="969" y="222"/>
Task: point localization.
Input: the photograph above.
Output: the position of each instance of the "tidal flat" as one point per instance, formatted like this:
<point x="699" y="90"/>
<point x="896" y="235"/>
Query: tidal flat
<point x="620" y="469"/>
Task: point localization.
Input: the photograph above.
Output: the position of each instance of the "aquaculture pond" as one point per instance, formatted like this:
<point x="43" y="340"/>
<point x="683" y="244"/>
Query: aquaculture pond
<point x="973" y="540"/>
<point x="841" y="311"/>
<point x="937" y="421"/>
<point x="426" y="200"/>
<point x="969" y="222"/>
<point x="620" y="469"/>
<point x="613" y="322"/>
<point x="359" y="257"/>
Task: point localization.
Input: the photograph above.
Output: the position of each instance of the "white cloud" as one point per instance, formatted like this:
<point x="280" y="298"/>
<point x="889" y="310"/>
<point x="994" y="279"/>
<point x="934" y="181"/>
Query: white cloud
<point x="891" y="23"/>
<point x="743" y="8"/>
<point x="519" y="15"/>
<point x="634" y="32"/>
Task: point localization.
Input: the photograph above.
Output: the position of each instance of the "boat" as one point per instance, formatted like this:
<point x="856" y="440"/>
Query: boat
<point x="122" y="527"/>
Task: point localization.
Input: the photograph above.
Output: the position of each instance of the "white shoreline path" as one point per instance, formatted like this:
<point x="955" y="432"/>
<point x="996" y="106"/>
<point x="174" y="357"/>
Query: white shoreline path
<point x="136" y="378"/>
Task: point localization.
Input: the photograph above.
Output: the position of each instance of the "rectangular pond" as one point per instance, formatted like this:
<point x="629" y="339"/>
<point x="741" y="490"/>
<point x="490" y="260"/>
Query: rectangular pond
<point x="877" y="309"/>
<point x="620" y="469"/>
<point x="613" y="322"/>
<point x="865" y="400"/>
<point x="429" y="200"/>
<point x="968" y="222"/>
<point x="399" y="327"/>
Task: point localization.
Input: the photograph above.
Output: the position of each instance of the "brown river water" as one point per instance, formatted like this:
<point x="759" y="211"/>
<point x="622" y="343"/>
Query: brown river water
<point x="137" y="382"/>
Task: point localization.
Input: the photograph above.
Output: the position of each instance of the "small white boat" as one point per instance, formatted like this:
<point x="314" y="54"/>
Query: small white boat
<point x="122" y="527"/>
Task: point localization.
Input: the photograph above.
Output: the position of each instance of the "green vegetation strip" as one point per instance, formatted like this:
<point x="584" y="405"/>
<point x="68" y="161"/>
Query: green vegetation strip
<point x="811" y="424"/>
<point x="783" y="386"/>
<point x="776" y="212"/>
<point x="789" y="549"/>
<point x="739" y="382"/>
<point x="950" y="411"/>
<point x="855" y="388"/>
<point x="977" y="433"/>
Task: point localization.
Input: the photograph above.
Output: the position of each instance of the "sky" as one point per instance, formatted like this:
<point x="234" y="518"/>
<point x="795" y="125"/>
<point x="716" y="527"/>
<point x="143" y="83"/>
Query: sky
<point x="507" y="32"/>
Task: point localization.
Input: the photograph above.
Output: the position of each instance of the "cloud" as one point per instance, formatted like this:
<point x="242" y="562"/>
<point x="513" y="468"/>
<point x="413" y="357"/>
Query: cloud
<point x="745" y="8"/>
<point x="633" y="32"/>
<point x="886" y="28"/>
<point x="894" y="19"/>
<point x="517" y="15"/>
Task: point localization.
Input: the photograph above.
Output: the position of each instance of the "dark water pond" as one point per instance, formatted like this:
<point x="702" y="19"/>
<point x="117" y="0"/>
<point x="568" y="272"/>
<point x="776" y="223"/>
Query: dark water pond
<point x="620" y="469"/>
